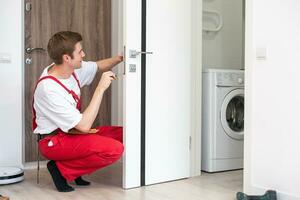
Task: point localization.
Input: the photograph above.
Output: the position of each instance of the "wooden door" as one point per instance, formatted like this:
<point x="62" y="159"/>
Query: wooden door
<point x="43" y="18"/>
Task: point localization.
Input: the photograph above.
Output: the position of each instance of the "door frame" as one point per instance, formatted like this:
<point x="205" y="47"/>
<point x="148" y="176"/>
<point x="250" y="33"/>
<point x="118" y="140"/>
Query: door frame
<point x="116" y="48"/>
<point x="249" y="62"/>
<point x="195" y="140"/>
<point x="23" y="83"/>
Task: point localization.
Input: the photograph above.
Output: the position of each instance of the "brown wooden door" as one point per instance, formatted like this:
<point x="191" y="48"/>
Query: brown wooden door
<point x="91" y="18"/>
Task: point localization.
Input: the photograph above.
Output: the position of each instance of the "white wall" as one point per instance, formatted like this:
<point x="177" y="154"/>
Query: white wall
<point x="224" y="49"/>
<point x="272" y="122"/>
<point x="11" y="83"/>
<point x="11" y="79"/>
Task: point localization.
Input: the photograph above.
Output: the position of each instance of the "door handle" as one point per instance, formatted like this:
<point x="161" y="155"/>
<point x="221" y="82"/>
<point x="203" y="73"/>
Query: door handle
<point x="30" y="50"/>
<point x="134" y="53"/>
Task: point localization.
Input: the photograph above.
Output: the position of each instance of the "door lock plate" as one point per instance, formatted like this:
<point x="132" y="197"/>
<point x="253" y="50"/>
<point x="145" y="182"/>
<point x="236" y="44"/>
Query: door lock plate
<point x="28" y="61"/>
<point x="132" y="67"/>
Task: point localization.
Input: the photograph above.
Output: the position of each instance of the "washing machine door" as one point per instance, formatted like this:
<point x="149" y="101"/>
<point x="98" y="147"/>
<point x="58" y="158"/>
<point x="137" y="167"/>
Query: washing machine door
<point x="232" y="114"/>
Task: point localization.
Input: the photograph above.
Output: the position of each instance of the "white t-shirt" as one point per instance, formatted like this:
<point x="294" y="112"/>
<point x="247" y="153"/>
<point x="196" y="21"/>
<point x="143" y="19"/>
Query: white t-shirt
<point x="54" y="106"/>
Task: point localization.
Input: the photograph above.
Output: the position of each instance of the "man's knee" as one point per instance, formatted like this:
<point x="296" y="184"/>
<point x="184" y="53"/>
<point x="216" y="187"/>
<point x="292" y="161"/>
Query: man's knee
<point x="115" y="152"/>
<point x="119" y="149"/>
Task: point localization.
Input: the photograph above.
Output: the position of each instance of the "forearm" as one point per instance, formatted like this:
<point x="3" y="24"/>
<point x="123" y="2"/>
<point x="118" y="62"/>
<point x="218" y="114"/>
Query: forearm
<point x="90" y="113"/>
<point x="107" y="64"/>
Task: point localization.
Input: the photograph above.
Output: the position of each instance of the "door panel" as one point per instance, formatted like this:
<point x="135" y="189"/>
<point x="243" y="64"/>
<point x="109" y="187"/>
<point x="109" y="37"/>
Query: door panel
<point x="157" y="96"/>
<point x="168" y="90"/>
<point x="91" y="18"/>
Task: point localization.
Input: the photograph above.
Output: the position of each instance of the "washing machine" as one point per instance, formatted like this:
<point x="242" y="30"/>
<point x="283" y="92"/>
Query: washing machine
<point x="222" y="120"/>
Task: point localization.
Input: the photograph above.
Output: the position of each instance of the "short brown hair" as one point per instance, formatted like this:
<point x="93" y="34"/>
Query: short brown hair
<point x="62" y="43"/>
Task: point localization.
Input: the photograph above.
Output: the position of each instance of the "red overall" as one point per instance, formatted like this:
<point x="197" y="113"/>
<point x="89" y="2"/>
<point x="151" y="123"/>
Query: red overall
<point x="79" y="154"/>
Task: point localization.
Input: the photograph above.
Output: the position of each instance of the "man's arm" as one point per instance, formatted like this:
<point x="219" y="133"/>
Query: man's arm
<point x="107" y="64"/>
<point x="90" y="113"/>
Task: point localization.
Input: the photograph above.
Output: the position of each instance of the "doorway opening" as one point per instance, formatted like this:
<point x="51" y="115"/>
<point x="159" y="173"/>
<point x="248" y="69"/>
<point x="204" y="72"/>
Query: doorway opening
<point x="223" y="43"/>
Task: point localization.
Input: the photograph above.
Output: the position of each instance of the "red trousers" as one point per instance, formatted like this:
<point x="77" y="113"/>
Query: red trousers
<point x="77" y="154"/>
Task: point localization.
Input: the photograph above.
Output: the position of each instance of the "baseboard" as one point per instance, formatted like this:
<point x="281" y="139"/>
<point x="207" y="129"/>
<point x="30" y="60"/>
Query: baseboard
<point x="33" y="165"/>
<point x="280" y="195"/>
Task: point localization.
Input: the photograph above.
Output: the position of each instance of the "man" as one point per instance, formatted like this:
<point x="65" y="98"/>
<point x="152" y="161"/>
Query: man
<point x="68" y="140"/>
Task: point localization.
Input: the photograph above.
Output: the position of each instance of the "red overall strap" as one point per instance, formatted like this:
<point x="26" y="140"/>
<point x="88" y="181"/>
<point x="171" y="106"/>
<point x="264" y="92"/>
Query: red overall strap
<point x="74" y="95"/>
<point x="76" y="79"/>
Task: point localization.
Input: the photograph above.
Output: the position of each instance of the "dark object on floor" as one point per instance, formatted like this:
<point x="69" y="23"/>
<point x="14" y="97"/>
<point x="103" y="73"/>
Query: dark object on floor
<point x="59" y="181"/>
<point x="3" y="197"/>
<point x="269" y="195"/>
<point x="81" y="182"/>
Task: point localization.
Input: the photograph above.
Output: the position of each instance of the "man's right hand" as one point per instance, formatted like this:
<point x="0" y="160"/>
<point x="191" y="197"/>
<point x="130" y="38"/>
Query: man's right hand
<point x="106" y="79"/>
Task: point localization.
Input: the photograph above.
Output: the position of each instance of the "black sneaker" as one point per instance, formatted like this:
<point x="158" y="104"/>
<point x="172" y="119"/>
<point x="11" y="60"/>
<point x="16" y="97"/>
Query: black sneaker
<point x="81" y="182"/>
<point x="59" y="181"/>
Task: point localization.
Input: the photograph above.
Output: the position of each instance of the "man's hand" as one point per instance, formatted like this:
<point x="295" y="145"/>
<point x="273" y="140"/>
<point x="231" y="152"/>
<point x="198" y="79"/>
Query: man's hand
<point x="106" y="80"/>
<point x="93" y="130"/>
<point x="77" y="132"/>
<point x="120" y="57"/>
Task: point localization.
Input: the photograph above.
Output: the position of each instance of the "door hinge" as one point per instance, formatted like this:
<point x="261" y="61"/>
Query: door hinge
<point x="190" y="142"/>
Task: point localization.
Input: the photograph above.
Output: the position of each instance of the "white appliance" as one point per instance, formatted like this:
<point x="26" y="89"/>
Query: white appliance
<point x="222" y="120"/>
<point x="10" y="175"/>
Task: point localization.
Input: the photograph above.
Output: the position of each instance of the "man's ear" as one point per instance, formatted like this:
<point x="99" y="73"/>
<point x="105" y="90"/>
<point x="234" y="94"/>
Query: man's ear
<point x="66" y="58"/>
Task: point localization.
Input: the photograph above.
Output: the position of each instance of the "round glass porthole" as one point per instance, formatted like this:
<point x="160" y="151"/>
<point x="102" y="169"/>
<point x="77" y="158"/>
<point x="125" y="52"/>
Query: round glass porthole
<point x="232" y="114"/>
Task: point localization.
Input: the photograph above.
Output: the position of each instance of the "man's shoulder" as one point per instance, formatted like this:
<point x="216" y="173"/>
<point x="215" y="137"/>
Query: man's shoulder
<point x="46" y="83"/>
<point x="48" y="86"/>
<point x="49" y="91"/>
<point x="45" y="70"/>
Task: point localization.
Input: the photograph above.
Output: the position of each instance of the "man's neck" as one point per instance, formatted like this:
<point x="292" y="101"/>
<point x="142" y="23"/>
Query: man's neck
<point x="60" y="71"/>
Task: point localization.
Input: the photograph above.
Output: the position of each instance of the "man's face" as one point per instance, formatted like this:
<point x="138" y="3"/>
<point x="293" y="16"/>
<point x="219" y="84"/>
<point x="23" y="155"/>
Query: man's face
<point x="78" y="55"/>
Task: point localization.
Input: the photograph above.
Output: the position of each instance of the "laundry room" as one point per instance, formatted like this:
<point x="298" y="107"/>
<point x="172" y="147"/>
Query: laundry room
<point x="223" y="38"/>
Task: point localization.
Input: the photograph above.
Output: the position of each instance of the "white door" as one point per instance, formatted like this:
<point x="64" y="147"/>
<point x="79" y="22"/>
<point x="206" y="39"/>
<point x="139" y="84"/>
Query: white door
<point x="157" y="91"/>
